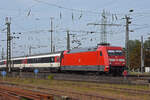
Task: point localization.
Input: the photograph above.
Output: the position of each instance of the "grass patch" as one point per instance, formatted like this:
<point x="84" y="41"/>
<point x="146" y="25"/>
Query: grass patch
<point x="139" y="73"/>
<point x="50" y="77"/>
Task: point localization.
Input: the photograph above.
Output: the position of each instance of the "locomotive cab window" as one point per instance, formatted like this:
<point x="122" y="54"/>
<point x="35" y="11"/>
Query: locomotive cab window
<point x="115" y="52"/>
<point x="119" y="52"/>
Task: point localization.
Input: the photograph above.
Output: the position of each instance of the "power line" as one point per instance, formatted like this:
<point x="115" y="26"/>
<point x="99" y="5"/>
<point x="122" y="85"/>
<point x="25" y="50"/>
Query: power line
<point x="79" y="10"/>
<point x="139" y="28"/>
<point x="62" y="7"/>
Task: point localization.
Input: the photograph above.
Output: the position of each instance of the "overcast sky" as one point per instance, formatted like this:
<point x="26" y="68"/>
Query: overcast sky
<point x="32" y="19"/>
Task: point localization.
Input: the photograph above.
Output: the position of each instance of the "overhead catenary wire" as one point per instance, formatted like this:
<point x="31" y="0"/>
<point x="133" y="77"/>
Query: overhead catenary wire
<point x="44" y="30"/>
<point x="62" y="7"/>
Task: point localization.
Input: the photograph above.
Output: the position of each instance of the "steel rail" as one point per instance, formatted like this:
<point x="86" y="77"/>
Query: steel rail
<point x="23" y="93"/>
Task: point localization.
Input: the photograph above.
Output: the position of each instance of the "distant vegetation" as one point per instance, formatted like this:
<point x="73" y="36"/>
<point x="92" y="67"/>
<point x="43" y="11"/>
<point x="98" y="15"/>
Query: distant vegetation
<point x="135" y="54"/>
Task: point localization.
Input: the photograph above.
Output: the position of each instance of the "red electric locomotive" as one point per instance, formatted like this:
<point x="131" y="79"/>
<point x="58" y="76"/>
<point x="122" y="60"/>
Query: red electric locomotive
<point x="103" y="58"/>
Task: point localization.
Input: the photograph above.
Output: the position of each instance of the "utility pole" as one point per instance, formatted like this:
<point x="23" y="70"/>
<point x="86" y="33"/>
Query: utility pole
<point x="142" y="55"/>
<point x="103" y="28"/>
<point x="127" y="18"/>
<point x="51" y="30"/>
<point x="53" y="48"/>
<point x="30" y="48"/>
<point x="68" y="40"/>
<point x="127" y="39"/>
<point x="8" y="62"/>
<point x="2" y="53"/>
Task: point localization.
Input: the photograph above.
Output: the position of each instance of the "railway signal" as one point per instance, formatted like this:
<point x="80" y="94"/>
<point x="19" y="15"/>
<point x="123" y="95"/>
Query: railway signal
<point x="36" y="72"/>
<point x="125" y="74"/>
<point x="3" y="73"/>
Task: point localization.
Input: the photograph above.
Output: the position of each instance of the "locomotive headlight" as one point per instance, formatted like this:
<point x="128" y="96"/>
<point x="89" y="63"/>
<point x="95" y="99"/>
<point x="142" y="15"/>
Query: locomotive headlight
<point x="111" y="59"/>
<point x="107" y="66"/>
<point x="121" y="59"/>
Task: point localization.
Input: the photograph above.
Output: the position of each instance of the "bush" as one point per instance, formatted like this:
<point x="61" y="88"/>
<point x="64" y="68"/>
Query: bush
<point x="50" y="77"/>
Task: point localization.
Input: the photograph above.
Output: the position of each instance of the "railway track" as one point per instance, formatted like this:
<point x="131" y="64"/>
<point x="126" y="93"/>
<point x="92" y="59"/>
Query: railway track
<point x="73" y="95"/>
<point x="111" y="88"/>
<point x="78" y="95"/>
<point x="130" y="80"/>
<point x="8" y="92"/>
<point x="11" y="88"/>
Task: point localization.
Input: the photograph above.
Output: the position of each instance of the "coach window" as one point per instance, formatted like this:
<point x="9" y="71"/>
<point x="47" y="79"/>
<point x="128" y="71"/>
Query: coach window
<point x="45" y="60"/>
<point x="101" y="53"/>
<point x="1" y="63"/>
<point x="52" y="59"/>
<point x="30" y="61"/>
<point x="17" y="62"/>
<point x="38" y="60"/>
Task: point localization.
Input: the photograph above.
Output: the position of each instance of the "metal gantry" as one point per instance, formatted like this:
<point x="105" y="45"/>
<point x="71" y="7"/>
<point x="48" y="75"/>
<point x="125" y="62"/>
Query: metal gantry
<point x="8" y="61"/>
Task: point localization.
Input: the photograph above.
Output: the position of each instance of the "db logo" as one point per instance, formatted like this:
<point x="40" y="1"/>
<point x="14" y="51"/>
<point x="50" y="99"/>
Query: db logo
<point x="78" y="60"/>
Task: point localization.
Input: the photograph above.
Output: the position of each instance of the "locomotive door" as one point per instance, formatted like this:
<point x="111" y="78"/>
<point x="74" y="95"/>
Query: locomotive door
<point x="100" y="63"/>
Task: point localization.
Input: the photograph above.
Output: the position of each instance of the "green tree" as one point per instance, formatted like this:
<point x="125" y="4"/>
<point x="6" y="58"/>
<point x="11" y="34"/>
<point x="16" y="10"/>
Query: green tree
<point x="147" y="52"/>
<point x="134" y="54"/>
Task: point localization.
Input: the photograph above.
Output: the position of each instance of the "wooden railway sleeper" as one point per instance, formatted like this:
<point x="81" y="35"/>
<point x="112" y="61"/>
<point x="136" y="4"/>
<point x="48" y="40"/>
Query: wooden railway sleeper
<point x="20" y="93"/>
<point x="6" y="95"/>
<point x="27" y="93"/>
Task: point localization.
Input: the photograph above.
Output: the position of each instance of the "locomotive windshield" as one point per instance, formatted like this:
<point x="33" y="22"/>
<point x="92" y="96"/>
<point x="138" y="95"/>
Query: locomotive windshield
<point x="115" y="52"/>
